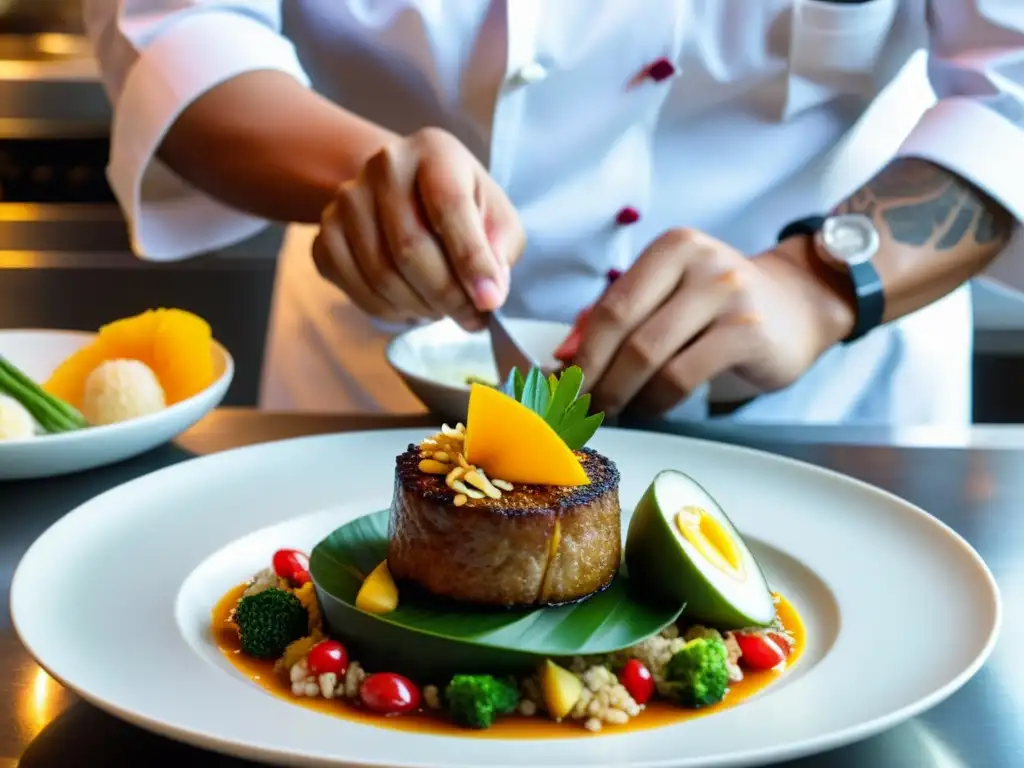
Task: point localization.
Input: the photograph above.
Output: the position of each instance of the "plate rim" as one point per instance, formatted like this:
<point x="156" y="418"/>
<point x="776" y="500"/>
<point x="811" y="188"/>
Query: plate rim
<point x="793" y="750"/>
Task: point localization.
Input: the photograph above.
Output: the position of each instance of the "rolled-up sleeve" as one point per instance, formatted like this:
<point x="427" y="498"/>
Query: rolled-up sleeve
<point x="156" y="58"/>
<point x="976" y="67"/>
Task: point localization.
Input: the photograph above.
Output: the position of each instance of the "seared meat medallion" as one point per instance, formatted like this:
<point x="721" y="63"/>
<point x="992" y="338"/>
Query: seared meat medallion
<point x="536" y="545"/>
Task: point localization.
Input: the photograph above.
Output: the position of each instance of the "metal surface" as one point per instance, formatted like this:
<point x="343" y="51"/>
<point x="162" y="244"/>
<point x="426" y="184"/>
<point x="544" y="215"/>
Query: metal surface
<point x="976" y="491"/>
<point x="50" y="87"/>
<point x="32" y="16"/>
<point x="507" y="352"/>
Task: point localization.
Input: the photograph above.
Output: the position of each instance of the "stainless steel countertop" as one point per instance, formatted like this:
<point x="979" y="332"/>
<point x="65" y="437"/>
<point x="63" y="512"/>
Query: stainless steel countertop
<point x="994" y="437"/>
<point x="976" y="490"/>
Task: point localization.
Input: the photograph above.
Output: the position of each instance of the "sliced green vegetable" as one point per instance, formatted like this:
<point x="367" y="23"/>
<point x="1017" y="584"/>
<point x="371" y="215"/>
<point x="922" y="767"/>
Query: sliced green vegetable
<point x="557" y="400"/>
<point x="53" y="414"/>
<point x="432" y="639"/>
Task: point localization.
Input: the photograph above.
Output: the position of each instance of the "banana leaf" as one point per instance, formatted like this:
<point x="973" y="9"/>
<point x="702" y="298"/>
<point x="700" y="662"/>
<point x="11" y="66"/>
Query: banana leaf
<point x="431" y="639"/>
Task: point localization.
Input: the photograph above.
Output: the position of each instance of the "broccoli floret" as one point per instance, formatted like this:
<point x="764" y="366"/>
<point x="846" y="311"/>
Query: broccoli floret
<point x="269" y="621"/>
<point x="697" y="675"/>
<point x="476" y="701"/>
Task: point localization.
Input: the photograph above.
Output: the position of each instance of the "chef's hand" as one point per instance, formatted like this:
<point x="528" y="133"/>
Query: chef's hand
<point x="692" y="308"/>
<point x="423" y="232"/>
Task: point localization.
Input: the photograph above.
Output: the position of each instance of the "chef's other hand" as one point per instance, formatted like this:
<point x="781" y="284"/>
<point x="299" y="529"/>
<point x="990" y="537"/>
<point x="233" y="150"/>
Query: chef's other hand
<point x="692" y="308"/>
<point x="423" y="232"/>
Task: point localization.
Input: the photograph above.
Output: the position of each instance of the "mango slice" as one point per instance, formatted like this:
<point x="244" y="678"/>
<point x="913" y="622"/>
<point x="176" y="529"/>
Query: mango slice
<point x="182" y="354"/>
<point x="378" y="594"/>
<point x="561" y="689"/>
<point x="513" y="443"/>
<point x="175" y="344"/>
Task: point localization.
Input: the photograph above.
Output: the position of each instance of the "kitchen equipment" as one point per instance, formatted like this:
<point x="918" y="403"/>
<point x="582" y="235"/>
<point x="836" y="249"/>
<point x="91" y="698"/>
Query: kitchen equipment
<point x="507" y="352"/>
<point x="32" y="16"/>
<point x="437" y="361"/>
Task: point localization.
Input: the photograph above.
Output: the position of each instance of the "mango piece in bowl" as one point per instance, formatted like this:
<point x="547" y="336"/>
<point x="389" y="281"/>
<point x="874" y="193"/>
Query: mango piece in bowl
<point x="176" y="345"/>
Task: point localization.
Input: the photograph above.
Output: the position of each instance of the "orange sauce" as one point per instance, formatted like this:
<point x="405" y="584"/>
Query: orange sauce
<point x="655" y="714"/>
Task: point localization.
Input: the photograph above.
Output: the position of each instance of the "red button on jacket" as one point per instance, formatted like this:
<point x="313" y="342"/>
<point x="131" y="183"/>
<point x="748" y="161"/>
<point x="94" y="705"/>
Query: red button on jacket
<point x="628" y="215"/>
<point x="661" y="69"/>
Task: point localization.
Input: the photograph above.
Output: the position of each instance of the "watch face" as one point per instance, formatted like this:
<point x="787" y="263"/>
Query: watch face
<point x="850" y="238"/>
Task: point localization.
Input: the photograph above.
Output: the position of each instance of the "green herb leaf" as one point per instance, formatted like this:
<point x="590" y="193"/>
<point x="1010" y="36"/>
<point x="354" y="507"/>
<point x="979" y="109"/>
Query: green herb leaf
<point x="578" y="434"/>
<point x="509" y="387"/>
<point x="513" y="386"/>
<point x="536" y="392"/>
<point x="563" y="396"/>
<point x="430" y="639"/>
<point x="557" y="400"/>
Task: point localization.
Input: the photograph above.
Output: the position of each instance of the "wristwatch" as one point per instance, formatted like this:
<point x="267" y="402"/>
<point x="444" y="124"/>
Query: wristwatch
<point x="847" y="243"/>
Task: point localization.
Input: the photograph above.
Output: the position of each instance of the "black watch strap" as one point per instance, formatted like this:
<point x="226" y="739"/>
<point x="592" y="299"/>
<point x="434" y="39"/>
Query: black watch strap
<point x="867" y="283"/>
<point x="867" y="286"/>
<point x="809" y="226"/>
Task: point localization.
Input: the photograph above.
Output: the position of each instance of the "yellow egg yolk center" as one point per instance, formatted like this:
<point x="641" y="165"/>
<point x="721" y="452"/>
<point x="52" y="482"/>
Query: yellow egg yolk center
<point x="711" y="539"/>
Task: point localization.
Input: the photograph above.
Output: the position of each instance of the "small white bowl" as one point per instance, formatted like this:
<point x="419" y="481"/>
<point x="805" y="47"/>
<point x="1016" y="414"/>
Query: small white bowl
<point x="435" y="360"/>
<point x="37" y="353"/>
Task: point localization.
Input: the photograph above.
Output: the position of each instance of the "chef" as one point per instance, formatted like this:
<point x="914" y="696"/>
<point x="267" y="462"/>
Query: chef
<point x="455" y="156"/>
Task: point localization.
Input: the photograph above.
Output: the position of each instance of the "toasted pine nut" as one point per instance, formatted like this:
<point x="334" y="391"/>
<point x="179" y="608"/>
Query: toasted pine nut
<point x="462" y="461"/>
<point x="502" y="485"/>
<point x="454" y="434"/>
<point x="460" y="427"/>
<point x="460" y="487"/>
<point x="432" y="467"/>
<point x="443" y="457"/>
<point x="426" y="454"/>
<point x="460" y="499"/>
<point x="454" y="475"/>
<point x="475" y="479"/>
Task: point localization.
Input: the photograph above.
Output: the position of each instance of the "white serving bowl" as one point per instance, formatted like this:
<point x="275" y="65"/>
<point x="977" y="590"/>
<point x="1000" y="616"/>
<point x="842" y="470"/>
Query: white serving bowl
<point x="434" y="360"/>
<point x="38" y="353"/>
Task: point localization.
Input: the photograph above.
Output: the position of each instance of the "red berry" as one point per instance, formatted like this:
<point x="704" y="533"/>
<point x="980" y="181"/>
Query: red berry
<point x="628" y="215"/>
<point x="389" y="694"/>
<point x="292" y="565"/>
<point x="327" y="656"/>
<point x="784" y="643"/>
<point x="637" y="680"/>
<point x="759" y="652"/>
<point x="614" y="274"/>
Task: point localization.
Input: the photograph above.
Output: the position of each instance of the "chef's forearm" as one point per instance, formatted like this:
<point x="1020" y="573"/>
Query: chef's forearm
<point x="265" y="144"/>
<point x="937" y="231"/>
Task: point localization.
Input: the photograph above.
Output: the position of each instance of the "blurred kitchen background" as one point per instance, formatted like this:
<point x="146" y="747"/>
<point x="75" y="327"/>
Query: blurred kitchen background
<point x="65" y="260"/>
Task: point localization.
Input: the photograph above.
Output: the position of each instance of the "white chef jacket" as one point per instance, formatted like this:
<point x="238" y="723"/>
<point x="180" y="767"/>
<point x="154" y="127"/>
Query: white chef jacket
<point x="746" y="134"/>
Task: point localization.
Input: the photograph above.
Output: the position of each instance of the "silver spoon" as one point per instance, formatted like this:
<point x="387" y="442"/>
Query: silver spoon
<point x="507" y="352"/>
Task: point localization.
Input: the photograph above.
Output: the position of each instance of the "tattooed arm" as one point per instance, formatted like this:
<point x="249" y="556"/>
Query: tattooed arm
<point x="950" y="201"/>
<point x="937" y="231"/>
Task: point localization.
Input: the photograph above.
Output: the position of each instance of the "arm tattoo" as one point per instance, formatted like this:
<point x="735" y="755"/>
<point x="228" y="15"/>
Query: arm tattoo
<point x="925" y="205"/>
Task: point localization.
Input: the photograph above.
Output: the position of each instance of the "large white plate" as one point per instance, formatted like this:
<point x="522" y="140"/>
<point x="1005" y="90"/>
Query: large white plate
<point x="37" y="353"/>
<point x="114" y="600"/>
